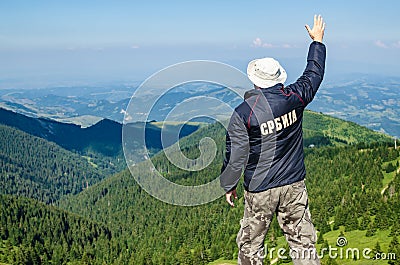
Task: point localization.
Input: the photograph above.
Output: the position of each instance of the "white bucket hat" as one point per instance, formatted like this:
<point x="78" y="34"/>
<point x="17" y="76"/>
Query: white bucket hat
<point x="266" y="72"/>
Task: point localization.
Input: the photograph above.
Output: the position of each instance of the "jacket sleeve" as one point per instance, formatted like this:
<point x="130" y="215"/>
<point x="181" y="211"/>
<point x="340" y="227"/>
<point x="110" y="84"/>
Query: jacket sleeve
<point x="307" y="85"/>
<point x="236" y="155"/>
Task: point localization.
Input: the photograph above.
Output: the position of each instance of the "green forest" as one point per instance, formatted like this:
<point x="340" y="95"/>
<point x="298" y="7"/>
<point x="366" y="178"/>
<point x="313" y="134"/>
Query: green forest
<point x="60" y="207"/>
<point x="35" y="168"/>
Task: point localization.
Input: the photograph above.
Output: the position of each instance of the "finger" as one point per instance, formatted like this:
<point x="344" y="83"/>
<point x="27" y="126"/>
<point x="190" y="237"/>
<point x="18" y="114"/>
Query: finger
<point x="323" y="26"/>
<point x="319" y="20"/>
<point x="315" y="20"/>
<point x="308" y="28"/>
<point x="235" y="194"/>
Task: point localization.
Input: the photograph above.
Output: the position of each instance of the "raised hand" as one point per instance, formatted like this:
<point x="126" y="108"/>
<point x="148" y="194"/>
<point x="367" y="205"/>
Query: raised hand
<point x="317" y="32"/>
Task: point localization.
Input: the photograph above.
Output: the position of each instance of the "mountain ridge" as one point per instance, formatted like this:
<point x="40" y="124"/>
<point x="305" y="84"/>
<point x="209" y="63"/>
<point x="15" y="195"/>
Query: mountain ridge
<point x="104" y="137"/>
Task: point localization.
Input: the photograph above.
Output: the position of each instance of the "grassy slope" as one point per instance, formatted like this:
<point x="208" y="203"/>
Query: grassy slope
<point x="388" y="177"/>
<point x="345" y="131"/>
<point x="357" y="239"/>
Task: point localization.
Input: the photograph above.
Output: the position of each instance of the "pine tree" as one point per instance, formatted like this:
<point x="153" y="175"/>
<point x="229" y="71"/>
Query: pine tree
<point x="377" y="249"/>
<point x="329" y="261"/>
<point x="371" y="230"/>
<point x="395" y="229"/>
<point x="320" y="238"/>
<point x="365" y="220"/>
<point x="394" y="248"/>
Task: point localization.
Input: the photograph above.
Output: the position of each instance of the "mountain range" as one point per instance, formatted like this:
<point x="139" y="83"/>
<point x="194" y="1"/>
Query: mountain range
<point x="103" y="138"/>
<point x="371" y="101"/>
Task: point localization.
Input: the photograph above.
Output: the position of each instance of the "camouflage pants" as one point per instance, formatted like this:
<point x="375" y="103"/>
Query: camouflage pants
<point x="290" y="203"/>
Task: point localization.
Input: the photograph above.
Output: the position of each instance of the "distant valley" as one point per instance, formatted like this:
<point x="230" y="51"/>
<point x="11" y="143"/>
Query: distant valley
<point x="79" y="105"/>
<point x="367" y="100"/>
<point x="372" y="102"/>
<point x="86" y="106"/>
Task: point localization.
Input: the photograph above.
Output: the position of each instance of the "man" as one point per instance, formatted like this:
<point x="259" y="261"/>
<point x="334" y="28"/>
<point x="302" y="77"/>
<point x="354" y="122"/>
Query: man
<point x="265" y="135"/>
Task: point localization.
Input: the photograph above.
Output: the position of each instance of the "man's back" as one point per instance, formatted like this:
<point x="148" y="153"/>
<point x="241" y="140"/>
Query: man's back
<point x="273" y="120"/>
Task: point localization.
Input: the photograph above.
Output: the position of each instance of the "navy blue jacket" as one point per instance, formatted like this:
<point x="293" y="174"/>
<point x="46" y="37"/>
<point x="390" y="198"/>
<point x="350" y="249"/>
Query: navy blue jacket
<point x="264" y="134"/>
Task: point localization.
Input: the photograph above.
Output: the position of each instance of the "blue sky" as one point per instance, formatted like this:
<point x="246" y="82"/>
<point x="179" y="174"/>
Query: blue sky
<point x="68" y="42"/>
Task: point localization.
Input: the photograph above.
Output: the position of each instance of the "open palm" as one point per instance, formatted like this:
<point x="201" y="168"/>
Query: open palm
<point x="317" y="32"/>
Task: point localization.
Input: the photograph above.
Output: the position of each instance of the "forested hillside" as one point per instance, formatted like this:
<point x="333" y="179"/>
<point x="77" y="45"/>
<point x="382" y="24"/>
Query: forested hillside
<point x="344" y="185"/>
<point x="34" y="233"/>
<point x="353" y="183"/>
<point x="35" y="168"/>
<point x="159" y="233"/>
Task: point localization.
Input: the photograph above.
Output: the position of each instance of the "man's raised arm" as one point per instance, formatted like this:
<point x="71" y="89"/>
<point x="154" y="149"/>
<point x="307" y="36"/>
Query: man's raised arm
<point x="307" y="85"/>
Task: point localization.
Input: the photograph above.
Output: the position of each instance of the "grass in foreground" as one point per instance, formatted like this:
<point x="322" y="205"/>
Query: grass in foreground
<point x="357" y="242"/>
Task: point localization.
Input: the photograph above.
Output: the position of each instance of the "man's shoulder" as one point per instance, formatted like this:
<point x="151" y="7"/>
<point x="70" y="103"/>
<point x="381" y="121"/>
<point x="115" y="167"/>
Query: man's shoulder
<point x="250" y="97"/>
<point x="249" y="94"/>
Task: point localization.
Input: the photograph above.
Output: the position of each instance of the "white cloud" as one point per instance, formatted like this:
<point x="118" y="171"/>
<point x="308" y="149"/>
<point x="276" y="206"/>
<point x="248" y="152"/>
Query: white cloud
<point x="396" y="45"/>
<point x="383" y="45"/>
<point x="380" y="44"/>
<point x="268" y="45"/>
<point x="259" y="43"/>
<point x="135" y="46"/>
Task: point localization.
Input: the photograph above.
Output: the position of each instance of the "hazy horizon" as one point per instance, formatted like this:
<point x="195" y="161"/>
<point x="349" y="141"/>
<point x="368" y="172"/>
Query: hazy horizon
<point x="47" y="43"/>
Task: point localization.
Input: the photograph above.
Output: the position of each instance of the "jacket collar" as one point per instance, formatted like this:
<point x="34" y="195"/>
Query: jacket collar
<point x="255" y="92"/>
